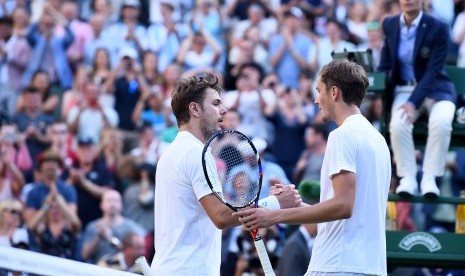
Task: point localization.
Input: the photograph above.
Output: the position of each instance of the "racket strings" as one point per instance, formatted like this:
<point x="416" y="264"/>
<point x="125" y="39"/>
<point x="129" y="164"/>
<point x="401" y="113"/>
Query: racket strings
<point x="233" y="166"/>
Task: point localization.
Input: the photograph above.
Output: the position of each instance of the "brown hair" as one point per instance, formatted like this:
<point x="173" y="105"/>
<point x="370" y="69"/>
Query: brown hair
<point x="349" y="77"/>
<point x="191" y="90"/>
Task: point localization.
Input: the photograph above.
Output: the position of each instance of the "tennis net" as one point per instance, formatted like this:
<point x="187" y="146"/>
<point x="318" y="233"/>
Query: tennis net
<point x="15" y="261"/>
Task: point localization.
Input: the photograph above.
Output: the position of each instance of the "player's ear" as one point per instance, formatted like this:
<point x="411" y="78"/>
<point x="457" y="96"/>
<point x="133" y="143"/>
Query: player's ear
<point x="194" y="109"/>
<point x="335" y="92"/>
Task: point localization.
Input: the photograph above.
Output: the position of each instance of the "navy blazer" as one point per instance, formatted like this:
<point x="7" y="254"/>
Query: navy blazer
<point x="430" y="52"/>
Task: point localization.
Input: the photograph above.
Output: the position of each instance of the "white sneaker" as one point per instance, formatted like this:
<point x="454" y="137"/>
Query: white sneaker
<point x="407" y="186"/>
<point x="429" y="189"/>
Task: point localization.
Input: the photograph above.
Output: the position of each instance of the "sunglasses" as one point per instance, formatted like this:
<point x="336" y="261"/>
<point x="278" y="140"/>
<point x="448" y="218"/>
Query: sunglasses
<point x="14" y="211"/>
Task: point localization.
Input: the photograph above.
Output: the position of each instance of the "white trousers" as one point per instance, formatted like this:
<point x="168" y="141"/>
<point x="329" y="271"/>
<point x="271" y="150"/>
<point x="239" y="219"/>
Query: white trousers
<point x="440" y="116"/>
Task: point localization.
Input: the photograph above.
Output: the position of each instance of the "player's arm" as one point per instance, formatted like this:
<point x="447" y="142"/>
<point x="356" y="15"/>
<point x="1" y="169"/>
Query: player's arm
<point x="220" y="214"/>
<point x="222" y="217"/>
<point x="339" y="207"/>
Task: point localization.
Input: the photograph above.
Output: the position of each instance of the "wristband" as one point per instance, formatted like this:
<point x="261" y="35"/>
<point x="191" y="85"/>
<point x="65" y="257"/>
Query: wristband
<point x="270" y="202"/>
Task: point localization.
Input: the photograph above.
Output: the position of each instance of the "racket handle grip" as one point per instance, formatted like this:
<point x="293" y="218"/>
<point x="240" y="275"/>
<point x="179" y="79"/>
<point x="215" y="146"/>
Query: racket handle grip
<point x="263" y="256"/>
<point x="144" y="266"/>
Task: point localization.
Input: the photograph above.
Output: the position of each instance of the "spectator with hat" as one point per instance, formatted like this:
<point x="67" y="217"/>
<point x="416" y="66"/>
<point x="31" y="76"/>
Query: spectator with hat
<point x="49" y="167"/>
<point x="90" y="178"/>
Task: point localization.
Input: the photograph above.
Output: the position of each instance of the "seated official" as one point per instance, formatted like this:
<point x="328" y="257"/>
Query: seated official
<point x="414" y="54"/>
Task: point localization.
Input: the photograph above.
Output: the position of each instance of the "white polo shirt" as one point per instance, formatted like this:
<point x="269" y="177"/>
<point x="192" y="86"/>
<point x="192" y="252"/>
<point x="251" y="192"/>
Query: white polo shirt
<point x="186" y="240"/>
<point x="357" y="244"/>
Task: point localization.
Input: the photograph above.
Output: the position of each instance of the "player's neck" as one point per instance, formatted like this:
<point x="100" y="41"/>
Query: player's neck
<point x="194" y="130"/>
<point x="344" y="112"/>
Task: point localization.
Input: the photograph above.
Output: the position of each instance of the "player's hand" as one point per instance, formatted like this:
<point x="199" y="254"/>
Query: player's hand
<point x="289" y="197"/>
<point x="255" y="218"/>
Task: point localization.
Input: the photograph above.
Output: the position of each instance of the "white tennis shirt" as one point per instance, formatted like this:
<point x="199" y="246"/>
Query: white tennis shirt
<point x="186" y="240"/>
<point x="357" y="244"/>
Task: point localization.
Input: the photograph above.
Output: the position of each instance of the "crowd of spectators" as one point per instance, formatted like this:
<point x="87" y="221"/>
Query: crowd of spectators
<point x="85" y="109"/>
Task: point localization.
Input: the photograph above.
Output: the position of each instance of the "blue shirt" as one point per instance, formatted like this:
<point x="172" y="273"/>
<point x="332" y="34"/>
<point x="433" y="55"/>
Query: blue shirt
<point x="407" y="46"/>
<point x="288" y="68"/>
<point x="37" y="195"/>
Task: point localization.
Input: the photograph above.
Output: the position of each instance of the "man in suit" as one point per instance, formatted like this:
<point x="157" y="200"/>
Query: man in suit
<point x="414" y="55"/>
<point x="297" y="251"/>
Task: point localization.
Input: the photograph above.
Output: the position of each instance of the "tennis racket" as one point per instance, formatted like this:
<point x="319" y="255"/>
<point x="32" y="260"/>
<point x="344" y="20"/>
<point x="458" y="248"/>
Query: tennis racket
<point x="233" y="171"/>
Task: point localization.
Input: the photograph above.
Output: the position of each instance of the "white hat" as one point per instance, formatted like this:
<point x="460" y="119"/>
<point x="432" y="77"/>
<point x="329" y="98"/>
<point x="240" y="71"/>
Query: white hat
<point x="128" y="52"/>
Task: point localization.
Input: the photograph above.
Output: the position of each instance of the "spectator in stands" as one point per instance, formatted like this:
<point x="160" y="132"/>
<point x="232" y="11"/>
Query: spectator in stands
<point x="297" y="251"/>
<point x="18" y="48"/>
<point x="111" y="152"/>
<point x="91" y="179"/>
<point x="150" y="146"/>
<point x="139" y="195"/>
<point x="127" y="88"/>
<point x="133" y="246"/>
<point x="50" y="184"/>
<point x="250" y="101"/>
<point x="72" y="97"/>
<point x="255" y="18"/>
<point x="8" y="95"/>
<point x="127" y="33"/>
<point x="81" y="30"/>
<point x="101" y="67"/>
<point x="56" y="227"/>
<point x="414" y="54"/>
<point x="32" y="122"/>
<point x="49" y="49"/>
<point x="150" y="69"/>
<point x="309" y="165"/>
<point x="150" y="108"/>
<point x="11" y="232"/>
<point x="289" y="120"/>
<point x="199" y="51"/>
<point x="244" y="52"/>
<point x="458" y="35"/>
<point x="165" y="38"/>
<point x="103" y="236"/>
<point x="90" y="110"/>
<point x="106" y="10"/>
<point x="168" y="82"/>
<point x="50" y="98"/>
<point x="14" y="146"/>
<point x="11" y="178"/>
<point x="357" y="24"/>
<point x="98" y="40"/>
<point x="375" y="42"/>
<point x="288" y="49"/>
<point x="205" y="18"/>
<point x="333" y="41"/>
<point x="60" y="144"/>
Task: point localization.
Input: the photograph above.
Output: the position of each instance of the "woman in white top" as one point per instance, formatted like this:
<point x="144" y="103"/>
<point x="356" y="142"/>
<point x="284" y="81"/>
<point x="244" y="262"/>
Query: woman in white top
<point x="10" y="221"/>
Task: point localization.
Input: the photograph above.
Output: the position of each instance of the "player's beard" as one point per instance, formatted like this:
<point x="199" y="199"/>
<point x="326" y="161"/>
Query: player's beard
<point x="206" y="128"/>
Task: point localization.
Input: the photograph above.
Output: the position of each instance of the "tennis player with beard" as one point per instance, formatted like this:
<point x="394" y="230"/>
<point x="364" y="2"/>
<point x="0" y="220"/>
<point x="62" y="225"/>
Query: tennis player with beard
<point x="355" y="178"/>
<point x="188" y="216"/>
